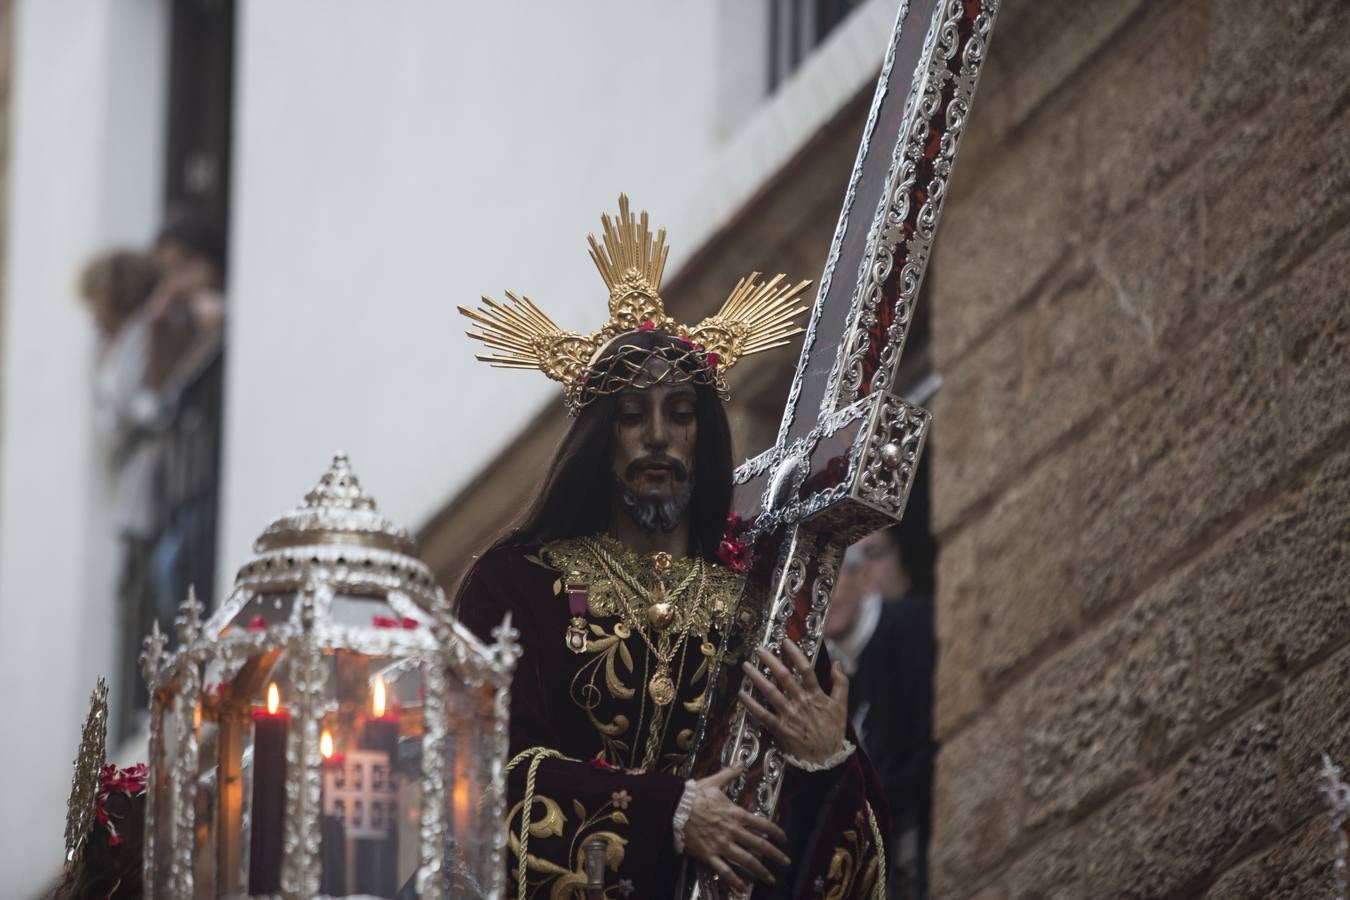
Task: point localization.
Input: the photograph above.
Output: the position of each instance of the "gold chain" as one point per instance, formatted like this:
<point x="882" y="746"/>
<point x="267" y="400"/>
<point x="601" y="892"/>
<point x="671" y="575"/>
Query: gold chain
<point x="661" y="687"/>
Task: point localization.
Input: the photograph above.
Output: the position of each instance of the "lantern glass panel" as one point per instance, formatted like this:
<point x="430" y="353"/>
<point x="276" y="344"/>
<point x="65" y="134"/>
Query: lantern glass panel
<point x="204" y="833"/>
<point x="371" y="746"/>
<point x="364" y="612"/>
<point x="266" y="714"/>
<point x="469" y="747"/>
<point x="263" y="610"/>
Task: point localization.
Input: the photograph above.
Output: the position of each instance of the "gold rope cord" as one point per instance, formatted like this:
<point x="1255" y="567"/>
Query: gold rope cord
<point x="536" y="755"/>
<point x="879" y="888"/>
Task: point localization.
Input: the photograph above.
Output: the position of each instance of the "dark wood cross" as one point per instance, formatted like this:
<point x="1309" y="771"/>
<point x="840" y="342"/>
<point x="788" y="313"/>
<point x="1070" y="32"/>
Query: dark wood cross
<point x="848" y="445"/>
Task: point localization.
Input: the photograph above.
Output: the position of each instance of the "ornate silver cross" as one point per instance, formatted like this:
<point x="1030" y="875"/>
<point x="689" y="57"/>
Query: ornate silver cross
<point x="848" y="446"/>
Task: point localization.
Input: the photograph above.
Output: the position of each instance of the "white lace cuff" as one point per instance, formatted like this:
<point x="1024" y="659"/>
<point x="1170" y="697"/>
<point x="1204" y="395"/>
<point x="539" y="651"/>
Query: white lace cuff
<point x="682" y="813"/>
<point x="830" y="762"/>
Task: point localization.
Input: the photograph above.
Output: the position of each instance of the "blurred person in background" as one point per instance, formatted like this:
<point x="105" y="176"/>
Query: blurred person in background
<point x="115" y="286"/>
<point x="187" y="315"/>
<point x="880" y="629"/>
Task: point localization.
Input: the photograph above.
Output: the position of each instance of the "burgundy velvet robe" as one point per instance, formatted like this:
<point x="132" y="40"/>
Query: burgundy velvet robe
<point x="594" y="710"/>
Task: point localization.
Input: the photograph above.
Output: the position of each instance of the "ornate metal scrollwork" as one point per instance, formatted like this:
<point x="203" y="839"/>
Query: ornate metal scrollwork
<point x="891" y="453"/>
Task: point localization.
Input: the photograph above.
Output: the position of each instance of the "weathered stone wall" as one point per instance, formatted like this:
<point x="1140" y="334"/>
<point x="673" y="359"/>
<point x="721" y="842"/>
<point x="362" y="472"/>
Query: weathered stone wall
<point x="1142" y="454"/>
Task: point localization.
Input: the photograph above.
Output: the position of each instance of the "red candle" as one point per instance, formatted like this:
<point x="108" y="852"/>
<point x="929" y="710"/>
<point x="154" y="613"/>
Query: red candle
<point x="377" y="858"/>
<point x="269" y="794"/>
<point x="332" y="832"/>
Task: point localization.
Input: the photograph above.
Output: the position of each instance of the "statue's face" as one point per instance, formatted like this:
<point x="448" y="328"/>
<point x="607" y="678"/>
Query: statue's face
<point x="652" y="455"/>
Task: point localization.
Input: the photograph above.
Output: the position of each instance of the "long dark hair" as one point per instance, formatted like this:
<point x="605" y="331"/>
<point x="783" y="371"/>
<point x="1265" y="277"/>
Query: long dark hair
<point x="103" y="869"/>
<point x="575" y="497"/>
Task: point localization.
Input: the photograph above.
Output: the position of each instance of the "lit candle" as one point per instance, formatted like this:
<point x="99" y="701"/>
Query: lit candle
<point x="269" y="794"/>
<point x="461" y="795"/>
<point x="332" y="833"/>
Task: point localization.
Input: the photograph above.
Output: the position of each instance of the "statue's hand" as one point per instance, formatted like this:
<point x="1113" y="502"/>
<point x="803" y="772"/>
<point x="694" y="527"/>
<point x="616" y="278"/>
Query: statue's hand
<point x="807" y="723"/>
<point x="728" y="839"/>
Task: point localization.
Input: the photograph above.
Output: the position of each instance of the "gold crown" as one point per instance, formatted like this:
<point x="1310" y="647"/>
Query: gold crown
<point x="758" y="315"/>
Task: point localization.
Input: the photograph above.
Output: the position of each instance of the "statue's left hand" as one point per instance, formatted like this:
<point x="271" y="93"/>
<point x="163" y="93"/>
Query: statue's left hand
<point x="808" y="723"/>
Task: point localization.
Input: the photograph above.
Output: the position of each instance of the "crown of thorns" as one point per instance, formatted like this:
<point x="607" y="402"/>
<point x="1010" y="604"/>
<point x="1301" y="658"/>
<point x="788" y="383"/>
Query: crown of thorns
<point x="627" y="365"/>
<point x="757" y="316"/>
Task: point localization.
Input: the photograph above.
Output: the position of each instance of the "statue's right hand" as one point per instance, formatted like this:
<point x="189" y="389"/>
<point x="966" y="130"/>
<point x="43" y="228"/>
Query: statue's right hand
<point x="728" y="839"/>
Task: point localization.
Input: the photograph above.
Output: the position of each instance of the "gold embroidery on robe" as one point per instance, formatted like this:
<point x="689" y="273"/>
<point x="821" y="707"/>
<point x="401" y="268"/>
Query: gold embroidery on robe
<point x="857" y="866"/>
<point x="722" y="590"/>
<point x="564" y="883"/>
<point x="609" y="685"/>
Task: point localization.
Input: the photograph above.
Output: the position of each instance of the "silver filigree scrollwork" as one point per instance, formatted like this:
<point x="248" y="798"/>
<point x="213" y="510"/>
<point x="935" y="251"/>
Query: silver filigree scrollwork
<point x="883" y="239"/>
<point x="827" y="571"/>
<point x="887" y="239"/>
<point x="152" y="667"/>
<point x="188" y="671"/>
<point x="891" y="453"/>
<point x="438" y="851"/>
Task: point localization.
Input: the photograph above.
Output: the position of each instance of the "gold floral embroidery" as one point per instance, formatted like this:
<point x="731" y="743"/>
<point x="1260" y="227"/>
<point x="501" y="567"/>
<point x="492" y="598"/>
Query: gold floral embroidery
<point x="615" y="662"/>
<point x="609" y="654"/>
<point x="565" y="883"/>
<point x="571" y="558"/>
<point x="856" y="867"/>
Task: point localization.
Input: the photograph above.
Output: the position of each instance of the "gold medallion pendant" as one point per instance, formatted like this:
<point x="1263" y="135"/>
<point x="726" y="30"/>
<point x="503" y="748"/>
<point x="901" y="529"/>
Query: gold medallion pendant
<point x="576" y="635"/>
<point x="660" y="615"/>
<point x="662" y="687"/>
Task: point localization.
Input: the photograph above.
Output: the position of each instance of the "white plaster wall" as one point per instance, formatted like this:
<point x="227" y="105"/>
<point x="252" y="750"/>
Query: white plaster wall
<point x="394" y="160"/>
<point x="85" y="134"/>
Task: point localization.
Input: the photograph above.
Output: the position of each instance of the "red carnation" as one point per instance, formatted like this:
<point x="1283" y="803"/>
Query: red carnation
<point x="713" y="360"/>
<point x="732" y="551"/>
<point x="647" y="325"/>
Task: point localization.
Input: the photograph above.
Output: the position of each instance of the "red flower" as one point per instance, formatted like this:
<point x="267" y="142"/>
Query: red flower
<point x="732" y="551"/>
<point x="647" y="325"/>
<point x="713" y="360"/>
<point x="384" y="622"/>
<point x="410" y="623"/>
<point x="129" y="781"/>
<point x="257" y="623"/>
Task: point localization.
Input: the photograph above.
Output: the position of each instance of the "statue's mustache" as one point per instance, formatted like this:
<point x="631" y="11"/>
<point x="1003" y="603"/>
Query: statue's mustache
<point x="678" y="469"/>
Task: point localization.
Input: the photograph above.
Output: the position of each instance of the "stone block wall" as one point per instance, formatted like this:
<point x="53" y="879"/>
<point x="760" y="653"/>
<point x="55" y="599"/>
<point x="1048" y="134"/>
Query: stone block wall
<point x="1141" y="454"/>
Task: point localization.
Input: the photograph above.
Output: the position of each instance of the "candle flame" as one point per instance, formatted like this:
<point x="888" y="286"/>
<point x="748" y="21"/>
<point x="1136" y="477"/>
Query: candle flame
<point x="273" y="699"/>
<point x="461" y="800"/>
<point x="326" y="744"/>
<point x="377" y="697"/>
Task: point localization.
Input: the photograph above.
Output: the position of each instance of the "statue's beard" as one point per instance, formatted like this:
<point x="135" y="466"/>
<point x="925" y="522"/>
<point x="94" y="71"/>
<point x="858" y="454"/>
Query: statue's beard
<point x="664" y="515"/>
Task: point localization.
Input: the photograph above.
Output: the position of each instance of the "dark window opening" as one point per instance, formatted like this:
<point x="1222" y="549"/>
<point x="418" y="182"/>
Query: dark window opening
<point x="796" y="27"/>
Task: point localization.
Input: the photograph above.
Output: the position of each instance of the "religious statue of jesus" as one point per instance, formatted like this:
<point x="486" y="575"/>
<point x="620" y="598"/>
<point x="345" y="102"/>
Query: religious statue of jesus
<point x="628" y="598"/>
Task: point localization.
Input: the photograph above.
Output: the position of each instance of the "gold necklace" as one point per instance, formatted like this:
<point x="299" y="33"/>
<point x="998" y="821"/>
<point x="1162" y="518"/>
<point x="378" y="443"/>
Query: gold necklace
<point x="659" y="614"/>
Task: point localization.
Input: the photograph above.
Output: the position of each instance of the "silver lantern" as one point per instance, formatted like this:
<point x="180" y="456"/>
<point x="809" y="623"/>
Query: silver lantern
<point x="331" y="731"/>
